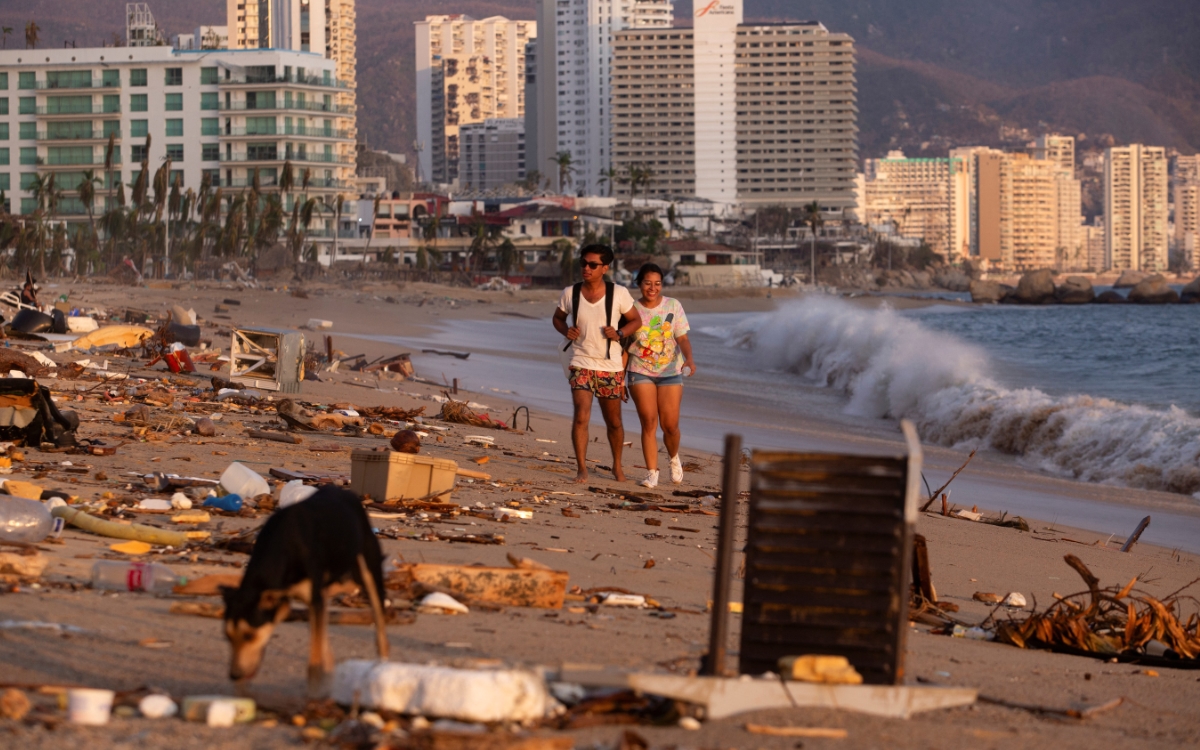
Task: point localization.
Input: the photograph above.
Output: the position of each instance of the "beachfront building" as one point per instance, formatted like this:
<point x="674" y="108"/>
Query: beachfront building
<point x="573" y="81"/>
<point x="324" y="27"/>
<point x="1185" y="187"/>
<point x="204" y="37"/>
<point x="921" y="199"/>
<point x="493" y="154"/>
<point x="468" y="71"/>
<point x="223" y="114"/>
<point x="753" y="114"/>
<point x="1135" y="208"/>
<point x="1059" y="149"/>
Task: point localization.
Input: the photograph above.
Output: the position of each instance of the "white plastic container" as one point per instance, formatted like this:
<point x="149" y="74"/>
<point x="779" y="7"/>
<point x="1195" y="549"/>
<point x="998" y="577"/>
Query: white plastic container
<point x="243" y="481"/>
<point x="89" y="706"/>
<point x="118" y="575"/>
<point x="294" y="492"/>
<point x="24" y="520"/>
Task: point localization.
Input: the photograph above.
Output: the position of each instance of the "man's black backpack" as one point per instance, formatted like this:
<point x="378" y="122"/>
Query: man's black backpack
<point x="576" y="291"/>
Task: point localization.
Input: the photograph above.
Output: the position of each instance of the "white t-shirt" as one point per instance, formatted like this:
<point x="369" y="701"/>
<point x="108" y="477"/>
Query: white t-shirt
<point x="588" y="350"/>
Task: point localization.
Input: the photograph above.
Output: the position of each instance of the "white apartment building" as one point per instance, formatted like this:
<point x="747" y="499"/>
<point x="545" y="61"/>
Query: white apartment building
<point x="1135" y="208"/>
<point x="468" y="71"/>
<point x="1059" y="149"/>
<point x="325" y="27"/>
<point x="204" y="37"/>
<point x="493" y="154"/>
<point x="221" y="113"/>
<point x="1185" y="184"/>
<point x="925" y="199"/>
<point x="753" y="114"/>
<point x="574" y="82"/>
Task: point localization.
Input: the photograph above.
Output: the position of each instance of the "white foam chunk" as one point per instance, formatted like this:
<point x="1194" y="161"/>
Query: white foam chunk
<point x="464" y="694"/>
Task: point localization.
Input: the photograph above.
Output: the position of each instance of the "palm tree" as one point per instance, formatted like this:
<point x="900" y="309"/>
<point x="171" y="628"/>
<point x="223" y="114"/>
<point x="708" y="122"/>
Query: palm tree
<point x="813" y="218"/>
<point x="374" y="216"/>
<point x="87" y="194"/>
<point x="640" y="175"/>
<point x="31" y="35"/>
<point x="566" y="169"/>
<point x="609" y="177"/>
<point x="47" y="197"/>
<point x="508" y="256"/>
<point x="6" y="30"/>
<point x="339" y="203"/>
<point x="483" y="243"/>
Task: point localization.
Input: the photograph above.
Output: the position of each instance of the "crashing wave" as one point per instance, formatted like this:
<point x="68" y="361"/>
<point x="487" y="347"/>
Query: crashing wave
<point x="892" y="367"/>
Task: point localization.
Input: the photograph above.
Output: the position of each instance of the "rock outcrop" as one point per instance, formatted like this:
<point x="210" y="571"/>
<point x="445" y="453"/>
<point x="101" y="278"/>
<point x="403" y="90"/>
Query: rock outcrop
<point x="1035" y="288"/>
<point x="952" y="279"/>
<point x="1130" y="279"/>
<point x="1153" y="291"/>
<point x="1111" y="298"/>
<point x="988" y="291"/>
<point x="1075" y="290"/>
<point x="1191" y="292"/>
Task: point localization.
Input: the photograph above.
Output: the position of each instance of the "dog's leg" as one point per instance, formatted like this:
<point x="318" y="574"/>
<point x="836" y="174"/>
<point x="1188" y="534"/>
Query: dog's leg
<point x="318" y="646"/>
<point x="368" y="582"/>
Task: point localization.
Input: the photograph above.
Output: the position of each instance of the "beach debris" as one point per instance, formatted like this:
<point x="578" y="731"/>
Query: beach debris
<point x="390" y="476"/>
<point x="156" y="706"/>
<point x="277" y="437"/>
<point x="835" y="670"/>
<point x="406" y="441"/>
<point x="199" y="708"/>
<point x="967" y="514"/>
<point x="14" y="704"/>
<point x="459" y="411"/>
<point x="1015" y="600"/>
<point x="399" y="367"/>
<point x="806" y="732"/>
<point x="294" y="492"/>
<point x="121" y="336"/>
<point x="89" y="706"/>
<point x="474" y="695"/>
<point x="986" y="597"/>
<point x="131" y="548"/>
<point x="1073" y="713"/>
<point x="975" y="633"/>
<point x="118" y="575"/>
<point x="133" y="531"/>
<point x="209" y="585"/>
<point x="1137" y="534"/>
<point x="267" y="358"/>
<point x="317" y="324"/>
<point x="438" y="603"/>
<point x="27" y="564"/>
<point x="1108" y="622"/>
<point x="23" y="519"/>
<point x="937" y="493"/>
<point x="456" y="355"/>
<point x="537" y="587"/>
<point x="239" y="479"/>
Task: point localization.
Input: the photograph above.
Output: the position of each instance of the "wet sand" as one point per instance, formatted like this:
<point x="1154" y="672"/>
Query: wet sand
<point x="604" y="546"/>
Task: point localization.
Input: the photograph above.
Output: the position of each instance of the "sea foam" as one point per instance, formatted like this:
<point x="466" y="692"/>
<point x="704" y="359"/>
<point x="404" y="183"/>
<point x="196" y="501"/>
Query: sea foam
<point x="892" y="367"/>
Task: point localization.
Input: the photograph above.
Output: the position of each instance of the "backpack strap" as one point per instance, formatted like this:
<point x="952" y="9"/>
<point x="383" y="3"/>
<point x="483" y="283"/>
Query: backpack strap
<point x="576" y="290"/>
<point x="608" y="306"/>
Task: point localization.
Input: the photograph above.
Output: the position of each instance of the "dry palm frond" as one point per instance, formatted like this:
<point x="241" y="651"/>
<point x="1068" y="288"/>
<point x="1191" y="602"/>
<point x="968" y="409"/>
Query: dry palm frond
<point x="457" y="411"/>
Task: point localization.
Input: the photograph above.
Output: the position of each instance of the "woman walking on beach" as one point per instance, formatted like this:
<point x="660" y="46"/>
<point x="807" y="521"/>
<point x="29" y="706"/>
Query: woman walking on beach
<point x="658" y="358"/>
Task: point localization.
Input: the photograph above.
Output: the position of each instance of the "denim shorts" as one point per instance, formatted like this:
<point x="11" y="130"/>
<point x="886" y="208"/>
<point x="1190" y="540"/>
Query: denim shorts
<point x="637" y="377"/>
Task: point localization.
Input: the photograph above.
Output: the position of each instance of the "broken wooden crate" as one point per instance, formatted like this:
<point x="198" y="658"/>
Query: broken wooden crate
<point x="828" y="549"/>
<point x="267" y="358"/>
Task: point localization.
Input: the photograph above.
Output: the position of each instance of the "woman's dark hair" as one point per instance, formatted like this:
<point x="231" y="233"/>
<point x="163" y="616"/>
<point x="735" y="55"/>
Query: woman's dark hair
<point x="648" y="268"/>
<point x="604" y="251"/>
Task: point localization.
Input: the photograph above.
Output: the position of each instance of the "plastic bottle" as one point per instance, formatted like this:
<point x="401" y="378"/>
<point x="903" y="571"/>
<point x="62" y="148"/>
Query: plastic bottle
<point x="24" y="520"/>
<point x="240" y="480"/>
<point x="293" y="492"/>
<point x="118" y="575"/>
<point x="231" y="503"/>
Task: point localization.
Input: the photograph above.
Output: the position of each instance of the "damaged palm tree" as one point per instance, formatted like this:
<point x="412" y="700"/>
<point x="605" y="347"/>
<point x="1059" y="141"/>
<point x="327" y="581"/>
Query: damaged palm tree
<point x="1109" y="622"/>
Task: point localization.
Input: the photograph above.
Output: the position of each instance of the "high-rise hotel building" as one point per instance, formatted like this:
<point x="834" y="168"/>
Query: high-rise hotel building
<point x="756" y="114"/>
<point x="468" y="71"/>
<point x="1135" y="208"/>
<point x="1185" y="182"/>
<point x="573" y="86"/>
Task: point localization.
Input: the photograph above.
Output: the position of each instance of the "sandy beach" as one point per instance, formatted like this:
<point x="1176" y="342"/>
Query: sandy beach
<point x="130" y="641"/>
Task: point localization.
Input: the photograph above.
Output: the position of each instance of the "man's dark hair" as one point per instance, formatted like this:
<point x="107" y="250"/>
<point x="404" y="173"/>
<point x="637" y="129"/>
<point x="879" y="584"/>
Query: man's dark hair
<point x="604" y="251"/>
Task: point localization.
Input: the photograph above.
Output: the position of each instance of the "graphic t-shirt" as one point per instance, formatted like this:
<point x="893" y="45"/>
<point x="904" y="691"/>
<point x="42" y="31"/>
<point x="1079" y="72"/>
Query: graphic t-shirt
<point x="654" y="351"/>
<point x="589" y="350"/>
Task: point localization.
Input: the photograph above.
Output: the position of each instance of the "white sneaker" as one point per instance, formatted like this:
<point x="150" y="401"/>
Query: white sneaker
<point x="676" y="470"/>
<point x="651" y="479"/>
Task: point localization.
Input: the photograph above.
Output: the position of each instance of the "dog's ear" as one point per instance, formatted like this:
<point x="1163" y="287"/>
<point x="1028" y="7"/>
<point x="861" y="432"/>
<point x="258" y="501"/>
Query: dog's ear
<point x="270" y="600"/>
<point x="227" y="595"/>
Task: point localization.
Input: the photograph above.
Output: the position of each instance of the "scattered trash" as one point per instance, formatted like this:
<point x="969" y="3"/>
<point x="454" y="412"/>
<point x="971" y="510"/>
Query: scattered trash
<point x="123" y="337"/>
<point x="986" y="597"/>
<point x="515" y="587"/>
<point x="153" y="503"/>
<point x="238" y="479"/>
<point x="157" y="707"/>
<point x="231" y="502"/>
<point x="975" y="633"/>
<point x="827" y="669"/>
<point x="689" y="723"/>
<point x="438" y="603"/>
<point x="294" y="492"/>
<point x="475" y="695"/>
<point x="14" y="704"/>
<point x="1014" y="599"/>
<point x="813" y="732"/>
<point x="131" y="548"/>
<point x="22" y="519"/>
<point x="968" y="515"/>
<point x="503" y="513"/>
<point x="613" y="599"/>
<point x="396" y="476"/>
<point x="406" y="441"/>
<point x="460" y="412"/>
<point x="27" y="564"/>
<point x="197" y="707"/>
<point x="135" y="531"/>
<point x="317" y="324"/>
<point x="180" y="501"/>
<point x="205" y="427"/>
<point x="114" y="575"/>
<point x="267" y="358"/>
<point x="89" y="706"/>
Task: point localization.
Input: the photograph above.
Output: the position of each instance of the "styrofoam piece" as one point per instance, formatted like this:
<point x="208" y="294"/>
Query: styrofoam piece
<point x="1015" y="599"/>
<point x="157" y="707"/>
<point x="439" y="603"/>
<point x="81" y="324"/>
<point x="43" y="360"/>
<point x="500" y="513"/>
<point x="442" y="692"/>
<point x="154" y="503"/>
<point x="294" y="492"/>
<point x="319" y="325"/>
<point x="615" y="599"/>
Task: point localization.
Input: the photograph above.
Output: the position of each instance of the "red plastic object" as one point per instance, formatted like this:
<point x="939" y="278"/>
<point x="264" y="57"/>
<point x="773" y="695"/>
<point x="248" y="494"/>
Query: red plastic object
<point x="179" y="361"/>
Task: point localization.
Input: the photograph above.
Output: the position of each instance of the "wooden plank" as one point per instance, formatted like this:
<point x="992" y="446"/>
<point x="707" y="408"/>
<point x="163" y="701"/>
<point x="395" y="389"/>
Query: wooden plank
<point x="544" y="589"/>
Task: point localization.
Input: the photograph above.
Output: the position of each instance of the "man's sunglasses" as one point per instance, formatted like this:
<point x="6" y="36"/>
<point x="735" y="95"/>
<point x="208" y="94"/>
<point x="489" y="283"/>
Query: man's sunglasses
<point x="591" y="264"/>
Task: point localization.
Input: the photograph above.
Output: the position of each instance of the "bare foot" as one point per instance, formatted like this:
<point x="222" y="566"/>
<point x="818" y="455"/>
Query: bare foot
<point x="581" y="477"/>
<point x="618" y="474"/>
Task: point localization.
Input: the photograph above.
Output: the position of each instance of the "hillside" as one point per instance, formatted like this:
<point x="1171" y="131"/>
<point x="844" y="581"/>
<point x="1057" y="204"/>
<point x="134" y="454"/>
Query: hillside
<point x="933" y="73"/>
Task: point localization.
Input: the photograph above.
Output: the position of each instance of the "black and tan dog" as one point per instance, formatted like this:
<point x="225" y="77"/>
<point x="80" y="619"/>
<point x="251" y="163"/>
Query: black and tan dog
<point x="308" y="552"/>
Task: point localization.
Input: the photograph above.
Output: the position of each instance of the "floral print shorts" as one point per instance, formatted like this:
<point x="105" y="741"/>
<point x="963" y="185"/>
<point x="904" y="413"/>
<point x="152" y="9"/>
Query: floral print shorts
<point x="602" y="384"/>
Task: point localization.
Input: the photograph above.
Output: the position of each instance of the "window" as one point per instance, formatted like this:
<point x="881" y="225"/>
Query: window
<point x="174" y="127"/>
<point x="137" y="153"/>
<point x="210" y="152"/>
<point x="138" y="103"/>
<point x="69" y="130"/>
<point x="4" y="105"/>
<point x="27" y="131"/>
<point x="174" y="77"/>
<point x="175" y="151"/>
<point x="5" y="182"/>
<point x="208" y="76"/>
<point x="175" y="176"/>
<point x="213" y="175"/>
<point x="28" y="179"/>
<point x="137" y="77"/>
<point x="139" y="128"/>
<point x="3" y="131"/>
<point x="27" y="105"/>
<point x="208" y="100"/>
<point x="111" y="78"/>
<point x="69" y="79"/>
<point x="260" y="126"/>
<point x="27" y="80"/>
<point x="260" y="100"/>
<point x="112" y="127"/>
<point x="69" y="155"/>
<point x="3" y="157"/>
<point x="28" y="205"/>
<point x="112" y="103"/>
<point x="174" y="102"/>
<point x="262" y="152"/>
<point x="4" y="81"/>
<point x="210" y="126"/>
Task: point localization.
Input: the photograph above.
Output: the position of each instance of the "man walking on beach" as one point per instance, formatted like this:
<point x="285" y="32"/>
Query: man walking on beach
<point x="601" y="313"/>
